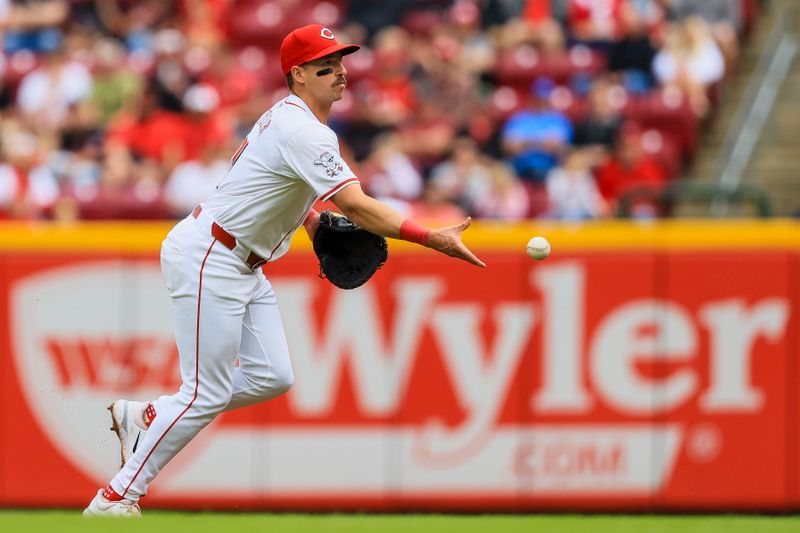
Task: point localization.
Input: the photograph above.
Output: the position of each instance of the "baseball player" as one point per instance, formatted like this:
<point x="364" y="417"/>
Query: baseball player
<point x="224" y="307"/>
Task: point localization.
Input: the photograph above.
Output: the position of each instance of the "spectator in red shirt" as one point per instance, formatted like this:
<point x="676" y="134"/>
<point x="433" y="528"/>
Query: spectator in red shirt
<point x="148" y="131"/>
<point x="629" y="170"/>
<point x="234" y="83"/>
<point x="544" y="30"/>
<point x="153" y="134"/>
<point x="388" y="94"/>
<point x="206" y="125"/>
<point x="596" y="21"/>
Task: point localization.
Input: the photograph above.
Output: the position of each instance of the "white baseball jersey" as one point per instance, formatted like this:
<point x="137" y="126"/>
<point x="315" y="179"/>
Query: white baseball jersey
<point x="288" y="160"/>
<point x="231" y="341"/>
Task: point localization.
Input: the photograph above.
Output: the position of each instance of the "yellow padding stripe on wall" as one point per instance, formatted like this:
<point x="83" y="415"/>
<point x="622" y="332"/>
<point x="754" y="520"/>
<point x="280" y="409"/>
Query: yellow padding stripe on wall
<point x="146" y="237"/>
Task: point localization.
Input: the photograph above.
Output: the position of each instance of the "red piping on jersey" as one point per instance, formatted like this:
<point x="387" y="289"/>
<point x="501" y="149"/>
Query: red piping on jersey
<point x="235" y="157"/>
<point x="291" y="103"/>
<point x="333" y="191"/>
<point x="196" y="372"/>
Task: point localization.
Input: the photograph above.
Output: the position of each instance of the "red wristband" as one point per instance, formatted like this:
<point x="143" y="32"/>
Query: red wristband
<point x="413" y="232"/>
<point x="311" y="214"/>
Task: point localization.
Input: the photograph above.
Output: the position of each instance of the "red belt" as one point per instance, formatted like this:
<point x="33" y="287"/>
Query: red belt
<point x="218" y="232"/>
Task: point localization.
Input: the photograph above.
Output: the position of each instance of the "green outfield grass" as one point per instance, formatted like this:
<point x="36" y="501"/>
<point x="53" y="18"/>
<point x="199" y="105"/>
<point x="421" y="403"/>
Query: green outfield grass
<point x="154" y="521"/>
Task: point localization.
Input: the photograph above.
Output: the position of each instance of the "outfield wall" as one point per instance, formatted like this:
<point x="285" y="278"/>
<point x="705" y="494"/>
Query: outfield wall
<point x="641" y="367"/>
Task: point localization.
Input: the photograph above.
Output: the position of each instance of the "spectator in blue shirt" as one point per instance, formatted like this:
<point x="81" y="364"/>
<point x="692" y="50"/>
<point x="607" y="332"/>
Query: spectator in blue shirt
<point x="534" y="138"/>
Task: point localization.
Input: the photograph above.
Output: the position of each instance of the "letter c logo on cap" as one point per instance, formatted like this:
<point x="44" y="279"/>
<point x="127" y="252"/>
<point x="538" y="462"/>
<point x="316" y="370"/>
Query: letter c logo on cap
<point x="327" y="34"/>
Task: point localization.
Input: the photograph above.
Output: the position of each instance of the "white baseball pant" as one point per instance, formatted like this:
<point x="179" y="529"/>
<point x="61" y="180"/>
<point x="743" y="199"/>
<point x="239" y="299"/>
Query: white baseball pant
<point x="222" y="311"/>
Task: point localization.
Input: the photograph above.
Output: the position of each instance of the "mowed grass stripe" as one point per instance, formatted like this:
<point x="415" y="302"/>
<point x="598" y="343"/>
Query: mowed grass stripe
<point x="156" y="521"/>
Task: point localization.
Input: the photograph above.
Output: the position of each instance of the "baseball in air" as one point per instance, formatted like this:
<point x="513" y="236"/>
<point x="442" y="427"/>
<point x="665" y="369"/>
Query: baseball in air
<point x="538" y="248"/>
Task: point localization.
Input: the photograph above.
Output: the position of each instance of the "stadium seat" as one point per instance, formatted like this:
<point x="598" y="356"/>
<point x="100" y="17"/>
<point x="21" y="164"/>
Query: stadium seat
<point x="669" y="112"/>
<point x="259" y="23"/>
<point x="359" y="65"/>
<point x="326" y="13"/>
<point x="664" y="149"/>
<point x="521" y="65"/>
<point x="421" y="22"/>
<point x="538" y="201"/>
<point x="20" y="63"/>
<point x="505" y="101"/>
<point x="124" y="208"/>
<point x="265" y="64"/>
<point x="569" y="103"/>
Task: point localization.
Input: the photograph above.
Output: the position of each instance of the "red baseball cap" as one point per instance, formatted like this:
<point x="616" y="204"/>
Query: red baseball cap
<point x="309" y="43"/>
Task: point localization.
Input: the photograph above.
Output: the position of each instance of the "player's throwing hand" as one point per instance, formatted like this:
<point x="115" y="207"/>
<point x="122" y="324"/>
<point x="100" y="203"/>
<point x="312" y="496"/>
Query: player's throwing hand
<point x="448" y="241"/>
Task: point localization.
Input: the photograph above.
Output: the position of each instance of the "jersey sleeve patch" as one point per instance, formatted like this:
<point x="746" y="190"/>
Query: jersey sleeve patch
<point x="332" y="165"/>
<point x="312" y="154"/>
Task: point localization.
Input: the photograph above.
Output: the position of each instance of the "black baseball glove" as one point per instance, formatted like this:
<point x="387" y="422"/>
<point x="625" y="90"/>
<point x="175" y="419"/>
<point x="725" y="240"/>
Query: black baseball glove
<point x="348" y="254"/>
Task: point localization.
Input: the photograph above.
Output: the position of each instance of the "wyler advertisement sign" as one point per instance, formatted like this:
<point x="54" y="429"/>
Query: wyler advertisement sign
<point x="655" y="374"/>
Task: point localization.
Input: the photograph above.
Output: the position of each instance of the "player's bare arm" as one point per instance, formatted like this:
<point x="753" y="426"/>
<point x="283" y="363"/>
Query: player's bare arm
<point x="379" y="218"/>
<point x="310" y="224"/>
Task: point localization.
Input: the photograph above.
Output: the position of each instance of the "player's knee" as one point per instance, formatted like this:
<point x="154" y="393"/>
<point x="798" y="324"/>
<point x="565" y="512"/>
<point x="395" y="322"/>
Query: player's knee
<point x="268" y="385"/>
<point x="283" y="382"/>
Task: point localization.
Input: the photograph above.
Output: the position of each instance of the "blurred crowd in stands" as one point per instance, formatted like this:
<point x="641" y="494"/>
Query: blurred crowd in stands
<point x="501" y="109"/>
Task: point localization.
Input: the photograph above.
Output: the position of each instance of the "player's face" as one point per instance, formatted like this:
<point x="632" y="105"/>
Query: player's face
<point x="326" y="77"/>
